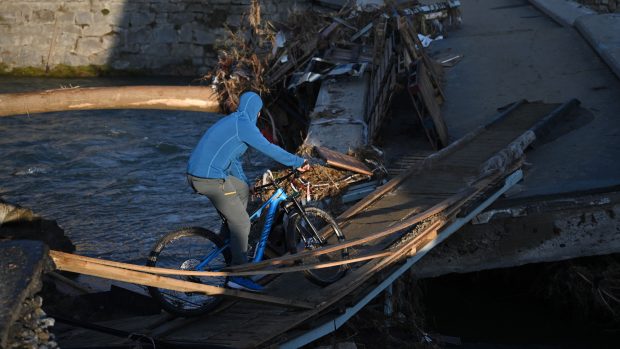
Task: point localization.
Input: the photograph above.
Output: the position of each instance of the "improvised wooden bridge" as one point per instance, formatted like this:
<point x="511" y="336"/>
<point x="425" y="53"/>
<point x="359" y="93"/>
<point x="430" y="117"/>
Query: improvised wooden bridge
<point x="386" y="233"/>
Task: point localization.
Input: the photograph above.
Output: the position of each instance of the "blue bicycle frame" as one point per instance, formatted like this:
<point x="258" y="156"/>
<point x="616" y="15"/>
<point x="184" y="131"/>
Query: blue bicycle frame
<point x="272" y="206"/>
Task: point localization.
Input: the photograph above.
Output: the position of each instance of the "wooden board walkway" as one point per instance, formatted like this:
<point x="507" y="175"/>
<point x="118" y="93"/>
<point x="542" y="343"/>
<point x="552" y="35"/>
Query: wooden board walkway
<point x="413" y="208"/>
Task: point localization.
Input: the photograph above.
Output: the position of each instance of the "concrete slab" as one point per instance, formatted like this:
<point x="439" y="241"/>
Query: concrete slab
<point x="513" y="51"/>
<point x="544" y="230"/>
<point x="603" y="34"/>
<point x="337" y="121"/>
<point x="563" y="11"/>
<point x="21" y="264"/>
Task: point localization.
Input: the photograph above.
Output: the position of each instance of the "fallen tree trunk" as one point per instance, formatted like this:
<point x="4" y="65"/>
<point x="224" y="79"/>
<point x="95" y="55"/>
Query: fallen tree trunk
<point x="191" y="98"/>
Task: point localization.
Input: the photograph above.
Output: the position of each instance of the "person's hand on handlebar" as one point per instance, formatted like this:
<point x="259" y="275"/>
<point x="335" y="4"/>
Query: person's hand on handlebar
<point x="305" y="167"/>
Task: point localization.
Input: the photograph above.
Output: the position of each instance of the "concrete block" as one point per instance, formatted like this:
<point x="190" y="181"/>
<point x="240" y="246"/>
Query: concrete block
<point x="43" y="16"/>
<point x="197" y="7"/>
<point x="22" y="264"/>
<point x="68" y="27"/>
<point x="140" y="19"/>
<point x="7" y="18"/>
<point x="156" y="49"/>
<point x="22" y="12"/>
<point x="66" y="41"/>
<point x="131" y="48"/>
<point x="114" y="14"/>
<point x="121" y="64"/>
<point x="186" y="33"/>
<point x="141" y="35"/>
<point x="43" y="42"/>
<point x="101" y="57"/>
<point x="88" y="46"/>
<point x="169" y="6"/>
<point x="29" y="57"/>
<point x="162" y="61"/>
<point x="204" y="37"/>
<point x="181" y="50"/>
<point x="165" y="34"/>
<point x="14" y="39"/>
<point x="6" y="41"/>
<point x="97" y="29"/>
<point x="110" y="41"/>
<point x="181" y="18"/>
<point x="66" y="18"/>
<point x="84" y="18"/>
<point x="543" y="233"/>
<point x="197" y="51"/>
<point x="7" y="58"/>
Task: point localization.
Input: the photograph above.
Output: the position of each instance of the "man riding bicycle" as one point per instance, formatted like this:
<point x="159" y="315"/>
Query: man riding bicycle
<point x="215" y="170"/>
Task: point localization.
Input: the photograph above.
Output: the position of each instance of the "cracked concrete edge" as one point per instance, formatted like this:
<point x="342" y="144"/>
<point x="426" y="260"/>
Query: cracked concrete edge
<point x="603" y="33"/>
<point x="562" y="11"/>
<point x="604" y="40"/>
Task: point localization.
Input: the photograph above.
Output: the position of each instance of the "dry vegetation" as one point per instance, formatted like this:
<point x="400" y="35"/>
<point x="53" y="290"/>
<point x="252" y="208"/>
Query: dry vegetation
<point x="251" y="54"/>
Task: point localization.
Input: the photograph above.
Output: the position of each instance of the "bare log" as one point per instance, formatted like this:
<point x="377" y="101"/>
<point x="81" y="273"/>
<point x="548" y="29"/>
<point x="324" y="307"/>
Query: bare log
<point x="191" y="98"/>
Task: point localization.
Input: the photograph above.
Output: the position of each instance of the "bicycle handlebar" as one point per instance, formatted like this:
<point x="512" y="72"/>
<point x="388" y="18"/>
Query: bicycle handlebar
<point x="277" y="181"/>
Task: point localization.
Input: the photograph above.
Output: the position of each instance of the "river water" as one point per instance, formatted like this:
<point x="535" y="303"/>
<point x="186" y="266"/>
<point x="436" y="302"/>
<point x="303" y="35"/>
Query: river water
<point x="113" y="179"/>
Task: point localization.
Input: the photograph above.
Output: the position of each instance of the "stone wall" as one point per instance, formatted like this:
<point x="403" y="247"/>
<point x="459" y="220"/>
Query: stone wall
<point x="173" y="37"/>
<point x="604" y="6"/>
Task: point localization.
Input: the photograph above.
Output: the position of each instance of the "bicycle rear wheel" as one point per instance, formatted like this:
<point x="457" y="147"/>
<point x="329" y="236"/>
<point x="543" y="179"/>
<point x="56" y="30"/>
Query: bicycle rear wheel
<point x="184" y="249"/>
<point x="301" y="237"/>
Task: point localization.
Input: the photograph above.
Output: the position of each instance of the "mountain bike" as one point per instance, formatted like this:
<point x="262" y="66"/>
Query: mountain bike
<point x="200" y="249"/>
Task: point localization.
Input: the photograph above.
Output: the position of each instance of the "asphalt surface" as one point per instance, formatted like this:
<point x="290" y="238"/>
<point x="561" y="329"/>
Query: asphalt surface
<point x="513" y="51"/>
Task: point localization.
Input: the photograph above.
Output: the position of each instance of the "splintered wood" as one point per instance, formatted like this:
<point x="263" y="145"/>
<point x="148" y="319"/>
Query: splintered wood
<point x="343" y="161"/>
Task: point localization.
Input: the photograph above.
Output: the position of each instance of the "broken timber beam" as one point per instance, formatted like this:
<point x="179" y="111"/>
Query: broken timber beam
<point x="65" y="262"/>
<point x="192" y="98"/>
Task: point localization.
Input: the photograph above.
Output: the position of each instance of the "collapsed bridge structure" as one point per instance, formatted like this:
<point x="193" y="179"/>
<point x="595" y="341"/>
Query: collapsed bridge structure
<point x="387" y="233"/>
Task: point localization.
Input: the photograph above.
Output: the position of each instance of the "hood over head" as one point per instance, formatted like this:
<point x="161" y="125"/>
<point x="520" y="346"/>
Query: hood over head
<point x="250" y="105"/>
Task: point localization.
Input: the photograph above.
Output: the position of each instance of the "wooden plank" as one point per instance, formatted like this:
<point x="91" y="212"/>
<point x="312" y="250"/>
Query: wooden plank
<point x="428" y="96"/>
<point x="344" y="161"/>
<point x="166" y="271"/>
<point x="65" y="262"/>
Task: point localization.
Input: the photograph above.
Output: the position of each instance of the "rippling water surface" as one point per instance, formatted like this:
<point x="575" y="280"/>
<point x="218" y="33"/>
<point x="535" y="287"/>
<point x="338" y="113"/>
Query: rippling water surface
<point x="114" y="180"/>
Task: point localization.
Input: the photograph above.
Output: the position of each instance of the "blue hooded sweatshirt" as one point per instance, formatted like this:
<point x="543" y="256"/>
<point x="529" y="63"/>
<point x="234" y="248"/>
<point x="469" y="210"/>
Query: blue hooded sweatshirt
<point x="218" y="153"/>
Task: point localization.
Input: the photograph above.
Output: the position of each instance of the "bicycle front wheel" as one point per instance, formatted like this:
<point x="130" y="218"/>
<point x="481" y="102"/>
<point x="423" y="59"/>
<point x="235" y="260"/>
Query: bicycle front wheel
<point x="300" y="236"/>
<point x="185" y="249"/>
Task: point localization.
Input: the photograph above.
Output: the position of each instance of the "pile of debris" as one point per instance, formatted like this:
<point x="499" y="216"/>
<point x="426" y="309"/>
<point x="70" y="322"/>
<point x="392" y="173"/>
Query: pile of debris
<point x="32" y="329"/>
<point x="287" y="63"/>
<point x="321" y="181"/>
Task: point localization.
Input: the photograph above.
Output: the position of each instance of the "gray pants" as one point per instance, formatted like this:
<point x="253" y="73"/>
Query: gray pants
<point x="230" y="198"/>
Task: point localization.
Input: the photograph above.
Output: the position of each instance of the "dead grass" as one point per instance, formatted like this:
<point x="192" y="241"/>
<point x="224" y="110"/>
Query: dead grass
<point x="323" y="182"/>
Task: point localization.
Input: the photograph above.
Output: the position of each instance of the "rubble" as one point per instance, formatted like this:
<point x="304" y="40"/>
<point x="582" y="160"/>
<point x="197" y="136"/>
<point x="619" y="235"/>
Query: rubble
<point x="328" y="76"/>
<point x="32" y="329"/>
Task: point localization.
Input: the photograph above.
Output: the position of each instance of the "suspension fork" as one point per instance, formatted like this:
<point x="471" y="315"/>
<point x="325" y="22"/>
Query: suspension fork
<point x="302" y="212"/>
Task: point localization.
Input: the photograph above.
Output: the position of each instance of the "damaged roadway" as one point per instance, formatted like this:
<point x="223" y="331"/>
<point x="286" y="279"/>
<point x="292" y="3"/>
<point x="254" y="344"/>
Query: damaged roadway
<point x="512" y="51"/>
